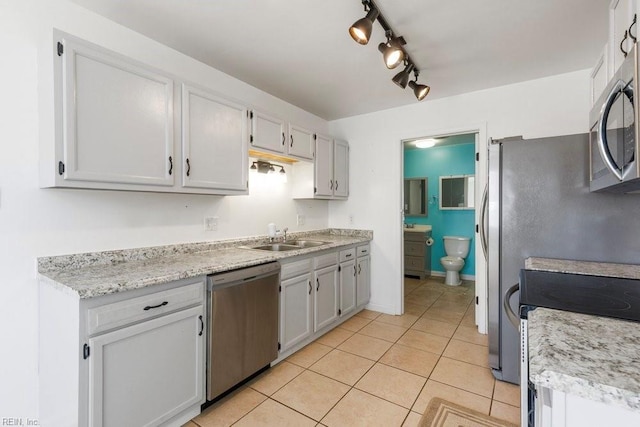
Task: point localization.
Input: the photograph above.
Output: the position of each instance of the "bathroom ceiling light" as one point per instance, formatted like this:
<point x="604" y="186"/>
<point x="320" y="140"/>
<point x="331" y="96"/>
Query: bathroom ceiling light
<point x="425" y="143"/>
<point x="360" y="31"/>
<point x="393" y="52"/>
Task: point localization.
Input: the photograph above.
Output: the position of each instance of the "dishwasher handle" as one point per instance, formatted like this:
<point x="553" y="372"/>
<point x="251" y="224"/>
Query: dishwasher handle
<point x="242" y="275"/>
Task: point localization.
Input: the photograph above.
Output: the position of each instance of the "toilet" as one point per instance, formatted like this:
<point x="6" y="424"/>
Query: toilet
<point x="456" y="248"/>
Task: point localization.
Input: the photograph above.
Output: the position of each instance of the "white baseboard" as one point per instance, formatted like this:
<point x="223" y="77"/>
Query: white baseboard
<point x="462" y="276"/>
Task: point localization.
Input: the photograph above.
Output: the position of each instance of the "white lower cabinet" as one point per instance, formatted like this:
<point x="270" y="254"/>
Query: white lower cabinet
<point x="144" y="374"/>
<point x="134" y="358"/>
<point x="363" y="278"/>
<point x="558" y="409"/>
<point x="318" y="292"/>
<point x="296" y="310"/>
<point x="347" y="271"/>
<point x="326" y="297"/>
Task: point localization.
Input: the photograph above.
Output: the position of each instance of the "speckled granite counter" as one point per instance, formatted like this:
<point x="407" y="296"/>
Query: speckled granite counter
<point x="100" y="273"/>
<point x="589" y="268"/>
<point x="589" y="356"/>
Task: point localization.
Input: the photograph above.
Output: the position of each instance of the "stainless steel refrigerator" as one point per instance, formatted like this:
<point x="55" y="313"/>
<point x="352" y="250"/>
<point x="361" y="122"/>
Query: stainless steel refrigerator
<point x="539" y="205"/>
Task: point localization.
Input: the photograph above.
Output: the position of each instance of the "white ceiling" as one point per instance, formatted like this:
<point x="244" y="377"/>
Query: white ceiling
<point x="300" y="50"/>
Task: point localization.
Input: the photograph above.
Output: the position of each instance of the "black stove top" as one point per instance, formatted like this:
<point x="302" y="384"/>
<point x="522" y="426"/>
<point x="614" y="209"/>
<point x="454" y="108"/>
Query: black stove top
<point x="598" y="295"/>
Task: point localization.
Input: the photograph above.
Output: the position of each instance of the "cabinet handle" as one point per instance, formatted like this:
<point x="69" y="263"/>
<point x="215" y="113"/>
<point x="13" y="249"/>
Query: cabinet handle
<point x="359" y="268"/>
<point x="317" y="284"/>
<point x="330" y="184"/>
<point x="348" y="255"/>
<point x="336" y="184"/>
<point x="626" y="35"/>
<point x="188" y="167"/>
<point x="201" y="326"/>
<point x="310" y="287"/>
<point x="283" y="135"/>
<point x="291" y="138"/>
<point x="149" y="307"/>
<point x="633" y="24"/>
<point x="354" y="271"/>
<point x="170" y="165"/>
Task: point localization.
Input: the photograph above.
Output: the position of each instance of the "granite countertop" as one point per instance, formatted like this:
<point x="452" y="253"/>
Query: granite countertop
<point x="94" y="274"/>
<point x="589" y="268"/>
<point x="589" y="356"/>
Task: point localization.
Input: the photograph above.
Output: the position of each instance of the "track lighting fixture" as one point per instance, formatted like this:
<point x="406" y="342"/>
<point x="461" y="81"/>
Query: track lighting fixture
<point x="420" y="91"/>
<point x="361" y="29"/>
<point x="392" y="51"/>
<point x="402" y="78"/>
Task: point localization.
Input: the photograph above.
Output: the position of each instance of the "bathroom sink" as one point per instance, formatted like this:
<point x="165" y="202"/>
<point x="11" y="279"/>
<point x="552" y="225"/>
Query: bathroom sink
<point x="306" y="243"/>
<point x="276" y="247"/>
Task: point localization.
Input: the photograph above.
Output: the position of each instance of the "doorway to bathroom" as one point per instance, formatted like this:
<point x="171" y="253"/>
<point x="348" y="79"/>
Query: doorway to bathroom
<point x="441" y="197"/>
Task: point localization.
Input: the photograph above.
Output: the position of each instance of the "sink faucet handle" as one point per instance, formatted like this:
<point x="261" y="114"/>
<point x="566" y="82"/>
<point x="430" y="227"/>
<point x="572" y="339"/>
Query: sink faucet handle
<point x="284" y="230"/>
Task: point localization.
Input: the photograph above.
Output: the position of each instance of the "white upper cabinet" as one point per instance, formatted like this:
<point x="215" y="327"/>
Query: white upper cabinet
<point x="301" y="142"/>
<point x="340" y="169"/>
<point x="267" y="132"/>
<point x="324" y="167"/>
<point x="117" y="118"/>
<point x="122" y="125"/>
<point x="214" y="141"/>
<point x="621" y="14"/>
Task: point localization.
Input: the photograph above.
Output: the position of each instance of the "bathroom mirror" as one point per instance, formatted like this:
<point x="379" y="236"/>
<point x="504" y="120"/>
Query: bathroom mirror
<point x="457" y="192"/>
<point x="415" y="196"/>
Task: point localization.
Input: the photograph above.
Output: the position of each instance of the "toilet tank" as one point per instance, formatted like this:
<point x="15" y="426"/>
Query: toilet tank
<point x="456" y="246"/>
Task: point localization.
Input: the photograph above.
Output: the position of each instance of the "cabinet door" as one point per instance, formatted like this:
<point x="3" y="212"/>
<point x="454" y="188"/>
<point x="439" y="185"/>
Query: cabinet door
<point x="296" y="315"/>
<point x="214" y="141"/>
<point x="326" y="296"/>
<point x="301" y="142"/>
<point x="117" y="118"/>
<point x="347" y="286"/>
<point x="340" y="169"/>
<point x="620" y="19"/>
<point x="324" y="166"/>
<point x="267" y="132"/>
<point x="144" y="374"/>
<point x="363" y="280"/>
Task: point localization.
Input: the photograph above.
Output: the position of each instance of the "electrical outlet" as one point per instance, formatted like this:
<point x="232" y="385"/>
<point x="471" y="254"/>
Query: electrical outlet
<point x="300" y="219"/>
<point x="351" y="219"/>
<point x="211" y="223"/>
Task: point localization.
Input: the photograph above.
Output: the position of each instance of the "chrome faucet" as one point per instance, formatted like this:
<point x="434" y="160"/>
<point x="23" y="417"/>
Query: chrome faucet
<point x="284" y="230"/>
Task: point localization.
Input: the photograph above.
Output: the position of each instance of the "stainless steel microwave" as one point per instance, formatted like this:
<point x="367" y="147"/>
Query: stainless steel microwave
<point x="613" y="139"/>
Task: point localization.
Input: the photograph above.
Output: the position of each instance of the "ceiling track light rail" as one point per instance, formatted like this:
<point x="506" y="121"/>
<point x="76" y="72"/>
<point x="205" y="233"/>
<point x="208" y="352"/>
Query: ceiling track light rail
<point x="392" y="50"/>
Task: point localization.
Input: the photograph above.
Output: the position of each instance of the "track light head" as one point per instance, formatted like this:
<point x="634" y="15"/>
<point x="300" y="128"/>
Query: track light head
<point x="420" y="91"/>
<point x="402" y="78"/>
<point x="360" y="31"/>
<point x="392" y="51"/>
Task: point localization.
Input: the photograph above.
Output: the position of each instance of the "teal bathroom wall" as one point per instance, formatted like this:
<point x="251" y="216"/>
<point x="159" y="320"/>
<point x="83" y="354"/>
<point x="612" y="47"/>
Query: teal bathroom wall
<point x="434" y="162"/>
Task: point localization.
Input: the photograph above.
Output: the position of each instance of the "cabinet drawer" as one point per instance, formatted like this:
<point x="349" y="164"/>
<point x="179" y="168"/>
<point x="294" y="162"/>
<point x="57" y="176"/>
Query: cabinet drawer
<point x="413" y="263"/>
<point x="103" y="318"/>
<point x="414" y="236"/>
<point x="347" y="254"/>
<point x="414" y="248"/>
<point x="363" y="250"/>
<point x="325" y="260"/>
<point x="296" y="268"/>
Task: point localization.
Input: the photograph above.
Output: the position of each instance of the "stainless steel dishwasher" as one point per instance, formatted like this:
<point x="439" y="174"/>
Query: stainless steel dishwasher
<point x="242" y="312"/>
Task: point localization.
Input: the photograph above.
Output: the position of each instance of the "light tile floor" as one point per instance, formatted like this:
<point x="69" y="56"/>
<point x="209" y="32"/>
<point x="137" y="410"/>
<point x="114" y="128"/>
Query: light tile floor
<point x="378" y="370"/>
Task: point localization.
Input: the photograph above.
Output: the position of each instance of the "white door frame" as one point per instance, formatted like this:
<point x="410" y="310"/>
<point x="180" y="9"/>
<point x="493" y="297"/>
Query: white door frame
<point x="481" y="171"/>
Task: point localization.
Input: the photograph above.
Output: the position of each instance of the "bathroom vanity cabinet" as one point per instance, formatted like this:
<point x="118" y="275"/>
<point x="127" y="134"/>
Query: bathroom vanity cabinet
<point x="417" y="254"/>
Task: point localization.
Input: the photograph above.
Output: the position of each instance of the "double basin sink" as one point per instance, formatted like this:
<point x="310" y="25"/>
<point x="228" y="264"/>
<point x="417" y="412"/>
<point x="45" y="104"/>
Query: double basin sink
<point x="290" y="245"/>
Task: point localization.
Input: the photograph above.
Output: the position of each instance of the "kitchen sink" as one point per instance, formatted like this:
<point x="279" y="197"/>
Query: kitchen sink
<point x="276" y="247"/>
<point x="306" y="243"/>
<point x="290" y="245"/>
